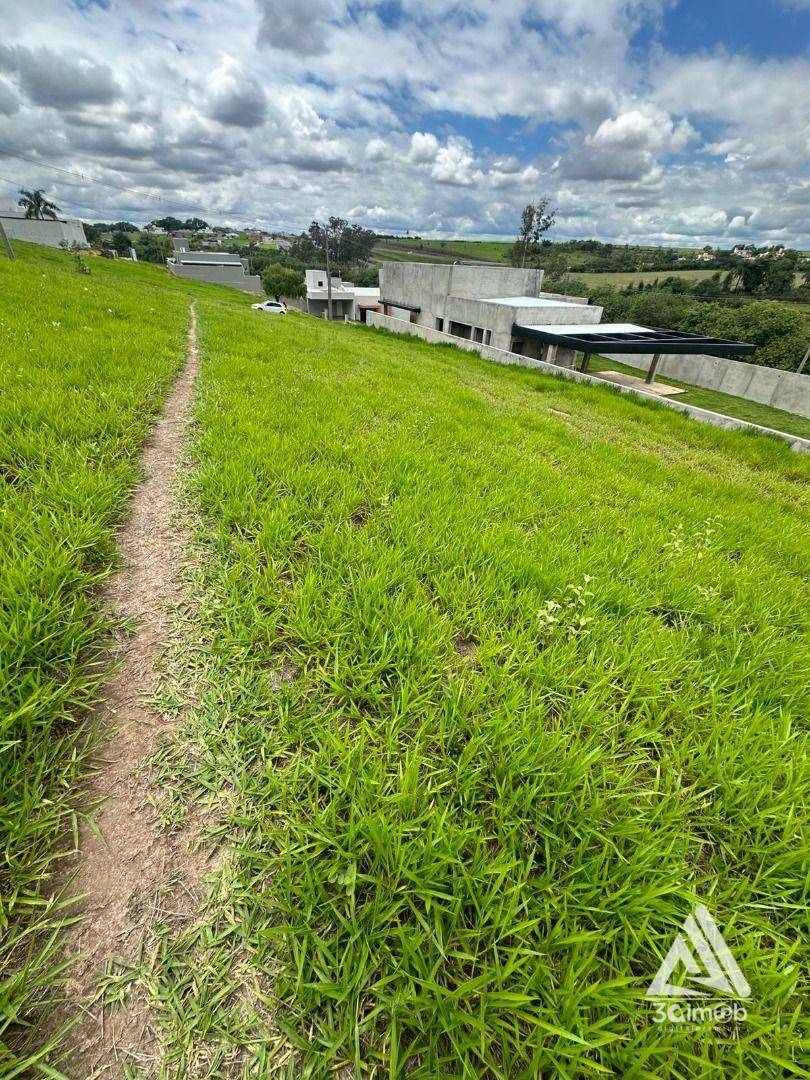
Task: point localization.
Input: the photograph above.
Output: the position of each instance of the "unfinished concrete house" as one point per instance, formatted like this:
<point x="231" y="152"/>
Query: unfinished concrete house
<point x="484" y="304"/>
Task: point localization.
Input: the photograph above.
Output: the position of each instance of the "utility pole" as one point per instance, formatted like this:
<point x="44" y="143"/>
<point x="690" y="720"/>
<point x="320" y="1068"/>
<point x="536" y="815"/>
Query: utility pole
<point x="6" y="241"/>
<point x="806" y="357"/>
<point x="328" y="275"/>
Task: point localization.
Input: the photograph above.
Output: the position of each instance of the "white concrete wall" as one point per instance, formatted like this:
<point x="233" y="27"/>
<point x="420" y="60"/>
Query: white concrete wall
<point x="768" y="386"/>
<point x="233" y="277"/>
<point x="429" y="285"/>
<point x="404" y="280"/>
<point x="47" y="233"/>
<point x="500" y="356"/>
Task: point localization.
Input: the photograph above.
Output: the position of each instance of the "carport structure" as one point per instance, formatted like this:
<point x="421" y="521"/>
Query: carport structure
<point x="612" y="338"/>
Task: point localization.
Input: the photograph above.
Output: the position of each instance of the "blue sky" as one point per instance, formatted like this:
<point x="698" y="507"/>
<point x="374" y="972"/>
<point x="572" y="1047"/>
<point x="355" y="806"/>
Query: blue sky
<point x="655" y="121"/>
<point x="763" y="29"/>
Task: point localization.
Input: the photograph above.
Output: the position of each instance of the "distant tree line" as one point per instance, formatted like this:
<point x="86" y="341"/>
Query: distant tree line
<point x="768" y="270"/>
<point x="349" y="254"/>
<point x="120" y="236"/>
<point x="172" y="224"/>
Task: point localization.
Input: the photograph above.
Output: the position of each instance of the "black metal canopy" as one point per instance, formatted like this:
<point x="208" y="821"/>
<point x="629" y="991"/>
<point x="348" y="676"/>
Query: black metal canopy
<point x="398" y="303"/>
<point x="638" y="340"/>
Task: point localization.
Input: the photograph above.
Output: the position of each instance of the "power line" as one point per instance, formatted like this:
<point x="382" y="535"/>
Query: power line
<point x="4" y="152"/>
<point x="14" y="185"/>
<point x="82" y="176"/>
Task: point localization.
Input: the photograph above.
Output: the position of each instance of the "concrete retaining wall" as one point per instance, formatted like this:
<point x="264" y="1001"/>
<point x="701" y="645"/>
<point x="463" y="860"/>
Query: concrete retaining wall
<point x="48" y="233"/>
<point x="781" y="389"/>
<point x="234" y="277"/>
<point x="500" y="356"/>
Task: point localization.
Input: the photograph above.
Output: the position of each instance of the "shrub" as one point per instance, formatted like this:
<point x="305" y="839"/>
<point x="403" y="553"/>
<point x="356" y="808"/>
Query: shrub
<point x="280" y="281"/>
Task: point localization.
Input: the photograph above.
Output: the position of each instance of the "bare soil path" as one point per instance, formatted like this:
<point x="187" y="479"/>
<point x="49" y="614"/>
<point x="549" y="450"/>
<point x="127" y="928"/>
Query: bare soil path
<point x="134" y="869"/>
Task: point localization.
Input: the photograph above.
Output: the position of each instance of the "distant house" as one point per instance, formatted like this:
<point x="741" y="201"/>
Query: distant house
<point x="348" y="300"/>
<point x="742" y="251"/>
<point x="216" y="267"/>
<point x="706" y="256"/>
<point x="58" y="232"/>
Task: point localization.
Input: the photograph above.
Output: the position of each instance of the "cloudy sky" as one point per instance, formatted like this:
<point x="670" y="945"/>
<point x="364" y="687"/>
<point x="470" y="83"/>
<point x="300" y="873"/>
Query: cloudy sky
<point x="672" y="121"/>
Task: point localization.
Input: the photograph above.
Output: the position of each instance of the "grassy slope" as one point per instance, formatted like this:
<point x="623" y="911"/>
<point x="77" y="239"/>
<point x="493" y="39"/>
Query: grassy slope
<point x="716" y="401"/>
<point x="85" y="363"/>
<point x="496" y="675"/>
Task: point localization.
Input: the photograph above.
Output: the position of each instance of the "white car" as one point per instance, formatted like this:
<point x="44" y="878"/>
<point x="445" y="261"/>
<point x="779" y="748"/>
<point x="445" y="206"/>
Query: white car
<point x="275" y="307"/>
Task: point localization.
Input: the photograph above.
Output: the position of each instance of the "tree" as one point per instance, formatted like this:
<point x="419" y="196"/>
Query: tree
<point x="752" y="274"/>
<point x="525" y="232"/>
<point x="710" y="287"/>
<point x="349" y="245"/>
<point x="657" y="308"/>
<point x="36" y="205"/>
<point x="779" y="272"/>
<point x="554" y="263"/>
<point x="367" y="277"/>
<point x="170" y="224"/>
<point x="535" y="221"/>
<point x="92" y="232"/>
<point x="153" y="249"/>
<point x="121" y="242"/>
<point x="280" y="281"/>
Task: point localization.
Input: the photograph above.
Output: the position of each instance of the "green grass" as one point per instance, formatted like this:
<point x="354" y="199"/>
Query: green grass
<point x="442" y="250"/>
<point x="85" y="363"/>
<point x="389" y="254"/>
<point x="492" y="677"/>
<point x="715" y="401"/>
<point x="619" y="280"/>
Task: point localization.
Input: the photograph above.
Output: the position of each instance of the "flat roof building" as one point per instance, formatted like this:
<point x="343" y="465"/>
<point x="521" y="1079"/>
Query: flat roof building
<point x="348" y="300"/>
<point x="480" y="303"/>
<point x="215" y="267"/>
<point x="503" y="307"/>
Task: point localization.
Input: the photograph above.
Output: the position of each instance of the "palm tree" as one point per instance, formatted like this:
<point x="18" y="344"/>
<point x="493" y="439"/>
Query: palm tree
<point x="36" y="205"/>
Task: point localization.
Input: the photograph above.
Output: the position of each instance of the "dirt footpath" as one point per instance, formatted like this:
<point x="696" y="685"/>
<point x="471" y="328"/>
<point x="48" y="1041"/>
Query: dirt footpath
<point x="135" y="870"/>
